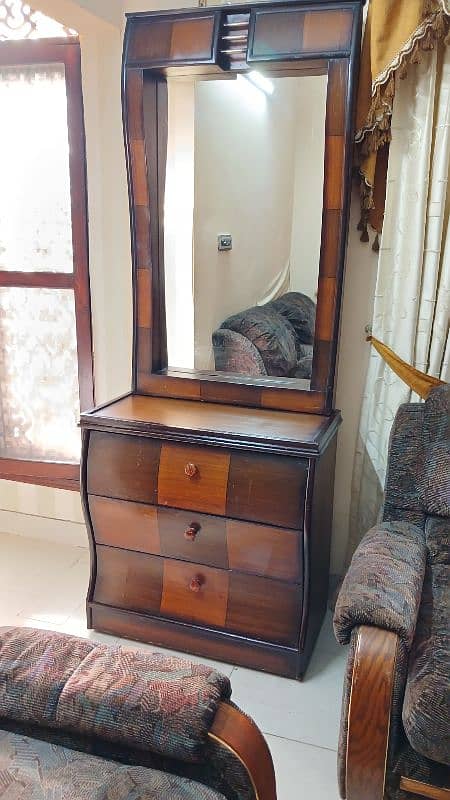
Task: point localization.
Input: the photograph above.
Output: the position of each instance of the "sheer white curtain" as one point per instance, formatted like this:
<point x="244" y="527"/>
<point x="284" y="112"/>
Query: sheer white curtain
<point x="412" y="297"/>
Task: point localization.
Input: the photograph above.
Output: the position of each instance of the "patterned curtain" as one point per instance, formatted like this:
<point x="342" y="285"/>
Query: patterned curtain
<point x="412" y="297"/>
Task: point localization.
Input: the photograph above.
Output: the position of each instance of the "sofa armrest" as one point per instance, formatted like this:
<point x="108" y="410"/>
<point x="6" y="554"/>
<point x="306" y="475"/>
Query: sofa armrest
<point x="383" y="585"/>
<point x="367" y="713"/>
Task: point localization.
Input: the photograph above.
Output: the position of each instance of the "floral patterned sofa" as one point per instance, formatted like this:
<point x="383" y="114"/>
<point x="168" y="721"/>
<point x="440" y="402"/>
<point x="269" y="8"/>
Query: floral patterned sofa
<point x="84" y="721"/>
<point x="394" y="610"/>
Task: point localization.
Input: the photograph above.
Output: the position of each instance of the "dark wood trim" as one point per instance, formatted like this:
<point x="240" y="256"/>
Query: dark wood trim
<point x="85" y="435"/>
<point x="56" y="474"/>
<point x="145" y="129"/>
<point x="66" y="51"/>
<point x="44" y="280"/>
<point x="243" y="8"/>
<point x="80" y="240"/>
<point x="189" y="638"/>
<point x="138" y="427"/>
<point x="369" y="713"/>
<point x="238" y="733"/>
<point x="36" y="51"/>
<point x="418" y="788"/>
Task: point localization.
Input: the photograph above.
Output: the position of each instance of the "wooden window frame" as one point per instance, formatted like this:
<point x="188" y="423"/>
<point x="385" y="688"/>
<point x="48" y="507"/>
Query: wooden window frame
<point x="65" y="51"/>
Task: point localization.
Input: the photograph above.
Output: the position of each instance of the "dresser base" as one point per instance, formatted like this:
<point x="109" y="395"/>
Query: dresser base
<point x="204" y="642"/>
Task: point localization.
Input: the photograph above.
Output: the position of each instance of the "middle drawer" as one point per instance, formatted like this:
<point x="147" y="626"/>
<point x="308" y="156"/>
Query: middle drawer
<point x="201" y="538"/>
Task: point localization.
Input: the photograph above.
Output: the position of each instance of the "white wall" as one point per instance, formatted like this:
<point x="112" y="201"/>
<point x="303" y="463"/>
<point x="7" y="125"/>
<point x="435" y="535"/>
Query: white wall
<point x="244" y="157"/>
<point x="353" y="355"/>
<point x="50" y="513"/>
<point x="308" y="184"/>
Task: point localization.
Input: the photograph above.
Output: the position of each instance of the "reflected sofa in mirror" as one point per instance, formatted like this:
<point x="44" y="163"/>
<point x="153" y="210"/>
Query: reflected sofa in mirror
<point x="242" y="223"/>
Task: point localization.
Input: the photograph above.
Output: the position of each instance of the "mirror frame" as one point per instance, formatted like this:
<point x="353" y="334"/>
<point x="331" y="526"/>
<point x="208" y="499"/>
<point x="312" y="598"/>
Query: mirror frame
<point x="193" y="42"/>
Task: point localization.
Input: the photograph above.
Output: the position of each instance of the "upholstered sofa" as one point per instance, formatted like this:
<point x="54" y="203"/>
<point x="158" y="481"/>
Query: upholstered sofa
<point x="394" y="611"/>
<point x="273" y="339"/>
<point x="84" y="721"/>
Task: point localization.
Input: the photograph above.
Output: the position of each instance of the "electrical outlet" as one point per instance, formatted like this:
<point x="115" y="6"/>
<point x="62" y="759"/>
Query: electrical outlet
<point x="224" y="241"/>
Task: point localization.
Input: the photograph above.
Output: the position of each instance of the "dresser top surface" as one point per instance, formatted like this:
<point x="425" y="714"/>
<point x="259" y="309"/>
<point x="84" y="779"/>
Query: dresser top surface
<point x="214" y="423"/>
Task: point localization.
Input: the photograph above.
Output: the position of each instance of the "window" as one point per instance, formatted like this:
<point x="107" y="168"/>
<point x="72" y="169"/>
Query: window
<point x="45" y="323"/>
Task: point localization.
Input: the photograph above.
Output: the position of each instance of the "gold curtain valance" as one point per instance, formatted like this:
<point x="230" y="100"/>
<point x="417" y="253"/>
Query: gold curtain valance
<point x="419" y="382"/>
<point x="396" y="33"/>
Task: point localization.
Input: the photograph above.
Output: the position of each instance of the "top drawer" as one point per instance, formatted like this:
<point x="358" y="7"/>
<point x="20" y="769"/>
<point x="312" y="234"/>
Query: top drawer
<point x="214" y="480"/>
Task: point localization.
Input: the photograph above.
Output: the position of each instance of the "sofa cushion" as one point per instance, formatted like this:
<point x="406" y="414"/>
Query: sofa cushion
<point x="31" y="769"/>
<point x="271" y="334"/>
<point x="300" y="310"/>
<point x="426" y="709"/>
<point x="144" y="700"/>
<point x="34" y="668"/>
<point x="236" y="354"/>
<point x="434" y="485"/>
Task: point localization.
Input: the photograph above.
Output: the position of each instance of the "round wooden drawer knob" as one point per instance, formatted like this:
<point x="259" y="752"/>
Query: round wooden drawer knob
<point x="190" y="470"/>
<point x="195" y="584"/>
<point x="191" y="532"/>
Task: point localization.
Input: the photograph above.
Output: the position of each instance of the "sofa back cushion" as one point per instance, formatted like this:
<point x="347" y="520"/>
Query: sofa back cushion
<point x="271" y="334"/>
<point x="148" y="701"/>
<point x="426" y="708"/>
<point x="434" y="484"/>
<point x="300" y="310"/>
<point x="402" y="501"/>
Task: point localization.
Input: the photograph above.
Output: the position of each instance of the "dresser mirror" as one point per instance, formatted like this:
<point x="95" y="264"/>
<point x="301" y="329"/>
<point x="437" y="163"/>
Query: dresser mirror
<point x="238" y="133"/>
<point x="242" y="223"/>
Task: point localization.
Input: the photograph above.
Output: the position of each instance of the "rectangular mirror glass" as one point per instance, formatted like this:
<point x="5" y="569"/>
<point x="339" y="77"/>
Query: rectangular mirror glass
<point x="242" y="224"/>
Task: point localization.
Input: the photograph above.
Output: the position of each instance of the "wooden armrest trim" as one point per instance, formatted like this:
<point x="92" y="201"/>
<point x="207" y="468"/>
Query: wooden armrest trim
<point x="424" y="789"/>
<point x="238" y="733"/>
<point x="369" y="713"/>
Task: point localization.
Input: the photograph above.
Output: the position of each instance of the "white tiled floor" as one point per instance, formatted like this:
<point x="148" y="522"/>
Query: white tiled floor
<point x="43" y="585"/>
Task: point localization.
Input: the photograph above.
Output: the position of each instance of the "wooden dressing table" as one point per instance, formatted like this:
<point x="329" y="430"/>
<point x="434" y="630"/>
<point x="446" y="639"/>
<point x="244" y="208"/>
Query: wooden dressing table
<point x="208" y="496"/>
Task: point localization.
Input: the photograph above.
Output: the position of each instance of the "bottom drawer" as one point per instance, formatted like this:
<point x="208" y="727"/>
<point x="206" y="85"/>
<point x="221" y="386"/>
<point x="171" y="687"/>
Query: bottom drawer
<point x="261" y="608"/>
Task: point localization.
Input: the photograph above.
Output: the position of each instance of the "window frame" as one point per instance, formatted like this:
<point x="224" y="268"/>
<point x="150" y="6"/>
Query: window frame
<point x="67" y="51"/>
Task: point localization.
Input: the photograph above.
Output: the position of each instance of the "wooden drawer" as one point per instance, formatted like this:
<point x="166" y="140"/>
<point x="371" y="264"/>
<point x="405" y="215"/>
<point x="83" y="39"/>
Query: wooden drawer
<point x="257" y="607"/>
<point x="267" y="489"/>
<point x="214" y="541"/>
<point x="247" y="486"/>
<point x="194" y="478"/>
<point x="123" y="466"/>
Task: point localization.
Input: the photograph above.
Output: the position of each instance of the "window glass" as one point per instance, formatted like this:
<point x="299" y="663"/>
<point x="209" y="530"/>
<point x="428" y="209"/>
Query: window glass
<point x="35" y="206"/>
<point x="39" y="403"/>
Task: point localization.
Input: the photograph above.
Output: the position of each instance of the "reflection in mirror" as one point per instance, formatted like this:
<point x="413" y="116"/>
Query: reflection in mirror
<point x="242" y="223"/>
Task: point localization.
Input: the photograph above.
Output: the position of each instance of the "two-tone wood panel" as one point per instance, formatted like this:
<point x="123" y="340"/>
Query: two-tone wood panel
<point x="123" y="466"/>
<point x="292" y="33"/>
<point x="334" y="223"/>
<point x="268" y="489"/>
<point x="256" y="607"/>
<point x="159" y="40"/>
<point x="201" y="538"/>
